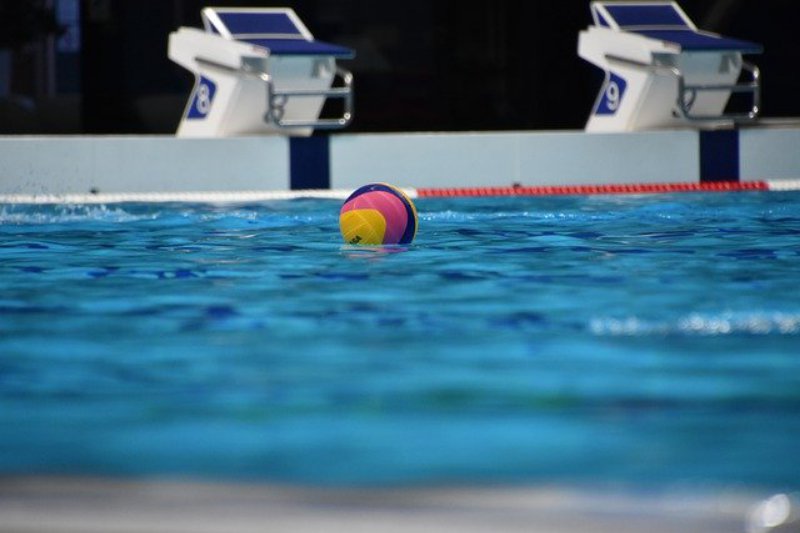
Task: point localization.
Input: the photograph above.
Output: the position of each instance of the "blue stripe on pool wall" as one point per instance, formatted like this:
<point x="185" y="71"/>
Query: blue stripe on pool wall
<point x="719" y="155"/>
<point x="309" y="162"/>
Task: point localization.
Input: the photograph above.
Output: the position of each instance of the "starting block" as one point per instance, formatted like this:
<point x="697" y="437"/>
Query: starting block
<point x="661" y="71"/>
<point x="257" y="71"/>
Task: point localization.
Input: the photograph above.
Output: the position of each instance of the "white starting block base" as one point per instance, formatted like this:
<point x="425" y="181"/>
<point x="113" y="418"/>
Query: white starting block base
<point x="258" y="71"/>
<point x="662" y="71"/>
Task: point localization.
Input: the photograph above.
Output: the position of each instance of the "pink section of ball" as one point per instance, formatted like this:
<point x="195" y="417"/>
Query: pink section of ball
<point x="392" y="208"/>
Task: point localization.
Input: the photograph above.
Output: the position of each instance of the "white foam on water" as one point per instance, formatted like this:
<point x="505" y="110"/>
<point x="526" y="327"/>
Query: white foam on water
<point x="10" y="214"/>
<point x="701" y="324"/>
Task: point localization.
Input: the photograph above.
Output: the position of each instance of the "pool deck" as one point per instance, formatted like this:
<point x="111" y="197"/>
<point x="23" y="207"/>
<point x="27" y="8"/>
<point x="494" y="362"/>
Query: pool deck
<point x="58" y="169"/>
<point x="71" y="504"/>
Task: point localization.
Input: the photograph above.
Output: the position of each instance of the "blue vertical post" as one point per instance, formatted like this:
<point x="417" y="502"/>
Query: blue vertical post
<point x="309" y="162"/>
<point x="719" y="155"/>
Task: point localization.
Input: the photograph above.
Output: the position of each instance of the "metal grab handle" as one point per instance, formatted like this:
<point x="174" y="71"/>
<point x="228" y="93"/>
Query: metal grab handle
<point x="684" y="104"/>
<point x="753" y="86"/>
<point x="276" y="100"/>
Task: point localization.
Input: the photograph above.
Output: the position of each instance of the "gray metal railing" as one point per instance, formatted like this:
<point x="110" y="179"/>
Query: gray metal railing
<point x="276" y="100"/>
<point x="687" y="93"/>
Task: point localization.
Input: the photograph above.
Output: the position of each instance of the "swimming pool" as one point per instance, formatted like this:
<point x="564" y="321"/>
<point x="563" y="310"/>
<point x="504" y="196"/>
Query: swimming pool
<point x="646" y="340"/>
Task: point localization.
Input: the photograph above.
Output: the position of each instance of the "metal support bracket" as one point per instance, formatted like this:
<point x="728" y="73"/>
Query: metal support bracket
<point x="276" y="100"/>
<point x="688" y="93"/>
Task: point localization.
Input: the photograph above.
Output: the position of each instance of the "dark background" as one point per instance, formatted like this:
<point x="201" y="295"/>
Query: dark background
<point x="430" y="65"/>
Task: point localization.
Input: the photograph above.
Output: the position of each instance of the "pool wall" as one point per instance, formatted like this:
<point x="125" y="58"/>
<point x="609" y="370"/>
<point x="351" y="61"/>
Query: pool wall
<point x="503" y="159"/>
<point x="81" y="165"/>
<point x="84" y="164"/>
<point x="770" y="153"/>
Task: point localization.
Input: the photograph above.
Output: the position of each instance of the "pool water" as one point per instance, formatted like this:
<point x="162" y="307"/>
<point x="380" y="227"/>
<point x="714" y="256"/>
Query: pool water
<point x="645" y="340"/>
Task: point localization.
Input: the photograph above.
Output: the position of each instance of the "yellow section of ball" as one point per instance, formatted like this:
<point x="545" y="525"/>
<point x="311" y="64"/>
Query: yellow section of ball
<point x="362" y="226"/>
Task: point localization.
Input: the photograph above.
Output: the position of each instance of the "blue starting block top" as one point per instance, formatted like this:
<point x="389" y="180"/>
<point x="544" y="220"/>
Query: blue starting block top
<point x="277" y="29"/>
<point x="665" y="21"/>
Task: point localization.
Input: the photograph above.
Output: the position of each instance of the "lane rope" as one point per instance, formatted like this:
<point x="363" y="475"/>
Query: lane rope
<point x="632" y="188"/>
<point x="222" y="197"/>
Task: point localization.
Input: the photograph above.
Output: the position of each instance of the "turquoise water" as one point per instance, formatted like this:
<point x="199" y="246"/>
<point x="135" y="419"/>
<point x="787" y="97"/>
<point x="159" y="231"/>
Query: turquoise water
<point x="647" y="340"/>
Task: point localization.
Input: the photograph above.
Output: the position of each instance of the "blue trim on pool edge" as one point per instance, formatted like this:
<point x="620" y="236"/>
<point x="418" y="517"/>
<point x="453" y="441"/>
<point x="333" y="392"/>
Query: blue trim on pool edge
<point x="719" y="155"/>
<point x="309" y="162"/>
